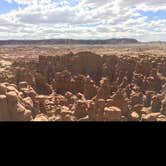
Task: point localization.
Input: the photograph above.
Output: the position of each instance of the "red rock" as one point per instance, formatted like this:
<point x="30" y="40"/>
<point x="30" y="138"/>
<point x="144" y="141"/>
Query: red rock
<point x="112" y="114"/>
<point x="90" y="88"/>
<point x="104" y="90"/>
<point x="150" y="117"/>
<point x="135" y="116"/>
<point x="4" y="113"/>
<point x="3" y="89"/>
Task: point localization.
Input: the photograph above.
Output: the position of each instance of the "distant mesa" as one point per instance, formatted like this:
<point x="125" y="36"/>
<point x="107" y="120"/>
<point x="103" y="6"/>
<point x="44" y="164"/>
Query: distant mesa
<point x="69" y="41"/>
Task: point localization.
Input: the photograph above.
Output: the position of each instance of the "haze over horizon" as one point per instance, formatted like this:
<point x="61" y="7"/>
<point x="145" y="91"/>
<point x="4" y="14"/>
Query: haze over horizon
<point x="83" y="19"/>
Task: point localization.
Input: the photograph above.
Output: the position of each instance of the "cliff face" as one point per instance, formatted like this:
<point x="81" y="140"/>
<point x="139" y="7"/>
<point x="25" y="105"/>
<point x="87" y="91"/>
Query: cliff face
<point x="68" y="41"/>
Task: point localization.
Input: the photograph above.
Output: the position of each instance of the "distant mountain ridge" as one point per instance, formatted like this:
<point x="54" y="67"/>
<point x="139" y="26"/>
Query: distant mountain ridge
<point x="69" y="41"/>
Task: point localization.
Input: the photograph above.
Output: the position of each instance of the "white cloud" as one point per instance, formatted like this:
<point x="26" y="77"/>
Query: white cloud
<point x="86" y="19"/>
<point x="145" y="5"/>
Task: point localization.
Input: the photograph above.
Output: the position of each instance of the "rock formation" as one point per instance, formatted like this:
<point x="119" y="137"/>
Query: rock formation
<point x="85" y="86"/>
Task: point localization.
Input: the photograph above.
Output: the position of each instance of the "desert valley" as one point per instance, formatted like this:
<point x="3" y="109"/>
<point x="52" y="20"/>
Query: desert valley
<point x="125" y="82"/>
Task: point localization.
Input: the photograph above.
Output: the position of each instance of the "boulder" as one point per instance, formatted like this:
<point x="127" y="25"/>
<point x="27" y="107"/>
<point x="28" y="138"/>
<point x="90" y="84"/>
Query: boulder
<point x="40" y="118"/>
<point x="150" y="117"/>
<point x="112" y="114"/>
<point x="135" y="116"/>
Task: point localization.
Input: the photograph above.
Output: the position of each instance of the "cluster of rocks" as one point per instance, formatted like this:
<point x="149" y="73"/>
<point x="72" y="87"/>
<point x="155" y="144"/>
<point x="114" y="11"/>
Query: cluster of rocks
<point x="22" y="103"/>
<point x="13" y="107"/>
<point x="87" y="87"/>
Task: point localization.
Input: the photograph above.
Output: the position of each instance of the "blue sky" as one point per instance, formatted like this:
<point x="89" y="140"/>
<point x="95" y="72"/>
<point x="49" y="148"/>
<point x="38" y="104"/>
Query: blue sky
<point x="95" y="19"/>
<point x="6" y="7"/>
<point x="152" y="15"/>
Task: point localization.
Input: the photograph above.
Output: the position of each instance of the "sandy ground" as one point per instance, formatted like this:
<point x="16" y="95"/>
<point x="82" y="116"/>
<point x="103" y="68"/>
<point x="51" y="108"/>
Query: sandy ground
<point x="32" y="52"/>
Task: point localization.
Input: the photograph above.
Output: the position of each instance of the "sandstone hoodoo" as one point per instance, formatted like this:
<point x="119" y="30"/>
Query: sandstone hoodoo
<point x="85" y="86"/>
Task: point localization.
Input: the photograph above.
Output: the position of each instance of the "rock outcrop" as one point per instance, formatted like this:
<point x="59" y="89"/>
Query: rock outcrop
<point x="86" y="87"/>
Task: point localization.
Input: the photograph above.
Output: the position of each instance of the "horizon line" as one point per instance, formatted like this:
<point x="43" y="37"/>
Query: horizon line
<point x="139" y="41"/>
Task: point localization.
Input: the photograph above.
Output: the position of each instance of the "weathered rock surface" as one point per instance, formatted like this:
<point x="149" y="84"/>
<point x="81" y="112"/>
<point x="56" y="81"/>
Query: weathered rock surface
<point x="86" y="87"/>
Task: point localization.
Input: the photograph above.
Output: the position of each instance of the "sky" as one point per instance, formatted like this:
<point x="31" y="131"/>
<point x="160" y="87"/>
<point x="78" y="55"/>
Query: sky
<point x="144" y="20"/>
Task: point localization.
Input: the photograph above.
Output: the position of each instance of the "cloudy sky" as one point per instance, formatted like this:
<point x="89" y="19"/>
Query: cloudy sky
<point x="144" y="20"/>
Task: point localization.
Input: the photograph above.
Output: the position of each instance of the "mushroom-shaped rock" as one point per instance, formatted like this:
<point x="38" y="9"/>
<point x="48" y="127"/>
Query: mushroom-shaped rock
<point x="81" y="109"/>
<point x="40" y="118"/>
<point x="112" y="114"/>
<point x="3" y="89"/>
<point x="4" y="114"/>
<point x="23" y="85"/>
<point x="135" y="116"/>
<point x="150" y="117"/>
